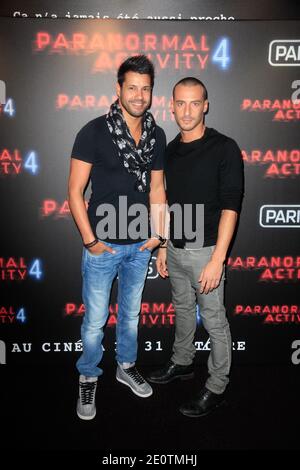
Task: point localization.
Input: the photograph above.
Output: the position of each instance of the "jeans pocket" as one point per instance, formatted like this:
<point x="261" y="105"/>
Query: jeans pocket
<point x="95" y="255"/>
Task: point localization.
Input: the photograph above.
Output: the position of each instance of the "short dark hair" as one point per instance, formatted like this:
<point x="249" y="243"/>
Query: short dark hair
<point x="191" y="81"/>
<point x="139" y="64"/>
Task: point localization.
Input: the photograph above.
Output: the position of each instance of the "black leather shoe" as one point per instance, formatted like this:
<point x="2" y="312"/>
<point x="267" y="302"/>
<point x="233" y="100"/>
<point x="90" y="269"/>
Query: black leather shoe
<point x="171" y="372"/>
<point x="205" y="403"/>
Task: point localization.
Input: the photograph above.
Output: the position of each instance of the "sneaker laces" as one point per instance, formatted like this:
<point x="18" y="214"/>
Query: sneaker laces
<point x="135" y="375"/>
<point x="87" y="390"/>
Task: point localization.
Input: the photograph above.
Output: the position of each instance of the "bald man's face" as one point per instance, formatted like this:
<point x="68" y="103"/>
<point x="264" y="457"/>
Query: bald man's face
<point x="189" y="106"/>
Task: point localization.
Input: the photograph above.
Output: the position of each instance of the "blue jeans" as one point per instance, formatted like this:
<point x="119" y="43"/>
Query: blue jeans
<point x="98" y="273"/>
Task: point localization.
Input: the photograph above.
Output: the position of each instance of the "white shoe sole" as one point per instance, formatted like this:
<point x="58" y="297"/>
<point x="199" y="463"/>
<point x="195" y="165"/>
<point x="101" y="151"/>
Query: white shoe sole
<point x="134" y="391"/>
<point x="86" y="418"/>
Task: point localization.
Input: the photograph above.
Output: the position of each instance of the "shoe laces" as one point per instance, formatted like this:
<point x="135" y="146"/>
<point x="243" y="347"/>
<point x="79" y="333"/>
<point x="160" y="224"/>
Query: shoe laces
<point x="135" y="375"/>
<point x="87" y="390"/>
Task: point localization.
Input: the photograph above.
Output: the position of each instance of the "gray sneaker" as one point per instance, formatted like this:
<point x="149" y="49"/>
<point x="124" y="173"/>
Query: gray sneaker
<point x="86" y="408"/>
<point x="132" y="378"/>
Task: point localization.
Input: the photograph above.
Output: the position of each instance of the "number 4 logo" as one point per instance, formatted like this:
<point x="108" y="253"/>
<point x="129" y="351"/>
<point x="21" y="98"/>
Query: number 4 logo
<point x="221" y="53"/>
<point x="31" y="163"/>
<point x="35" y="270"/>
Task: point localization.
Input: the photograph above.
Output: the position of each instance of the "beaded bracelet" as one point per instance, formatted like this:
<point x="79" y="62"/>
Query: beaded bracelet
<point x="89" y="245"/>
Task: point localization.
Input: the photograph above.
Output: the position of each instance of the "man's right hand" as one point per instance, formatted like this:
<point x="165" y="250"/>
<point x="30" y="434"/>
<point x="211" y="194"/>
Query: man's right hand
<point x="99" y="248"/>
<point x="161" y="263"/>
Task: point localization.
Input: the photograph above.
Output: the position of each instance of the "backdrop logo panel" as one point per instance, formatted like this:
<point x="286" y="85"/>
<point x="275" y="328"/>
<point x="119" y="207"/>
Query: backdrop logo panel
<point x="161" y="105"/>
<point x="284" y="52"/>
<point x="284" y="110"/>
<point x="19" y="269"/>
<point x="273" y="268"/>
<point x="14" y="162"/>
<point x="279" y="163"/>
<point x="279" y="216"/>
<point x="110" y="49"/>
<point x="152" y="314"/>
<point x="11" y="314"/>
<point x="270" y="314"/>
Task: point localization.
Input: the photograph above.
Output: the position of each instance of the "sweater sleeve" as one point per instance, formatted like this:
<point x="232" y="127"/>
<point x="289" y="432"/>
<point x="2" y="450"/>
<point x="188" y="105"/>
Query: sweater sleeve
<point x="231" y="174"/>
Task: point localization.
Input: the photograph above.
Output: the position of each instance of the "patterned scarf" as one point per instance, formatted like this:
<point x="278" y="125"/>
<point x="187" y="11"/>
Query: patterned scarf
<point x="136" y="160"/>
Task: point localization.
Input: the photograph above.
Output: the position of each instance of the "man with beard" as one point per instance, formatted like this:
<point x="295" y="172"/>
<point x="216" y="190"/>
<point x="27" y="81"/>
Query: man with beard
<point x="203" y="168"/>
<point x="123" y="154"/>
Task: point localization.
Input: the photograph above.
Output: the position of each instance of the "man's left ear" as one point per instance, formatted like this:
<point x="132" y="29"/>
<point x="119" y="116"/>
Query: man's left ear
<point x="205" y="109"/>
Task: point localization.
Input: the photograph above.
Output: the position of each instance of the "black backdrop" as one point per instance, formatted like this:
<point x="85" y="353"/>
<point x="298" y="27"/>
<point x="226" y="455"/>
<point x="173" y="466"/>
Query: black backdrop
<point x="55" y="82"/>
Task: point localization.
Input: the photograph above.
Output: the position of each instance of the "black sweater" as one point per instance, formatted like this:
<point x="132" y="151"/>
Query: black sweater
<point x="206" y="171"/>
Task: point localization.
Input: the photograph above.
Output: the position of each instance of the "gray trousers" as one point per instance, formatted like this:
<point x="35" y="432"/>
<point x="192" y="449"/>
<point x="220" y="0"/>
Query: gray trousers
<point x="184" y="268"/>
